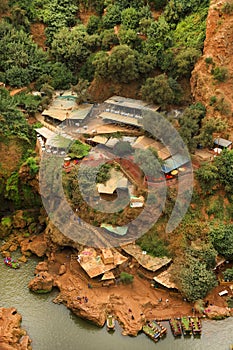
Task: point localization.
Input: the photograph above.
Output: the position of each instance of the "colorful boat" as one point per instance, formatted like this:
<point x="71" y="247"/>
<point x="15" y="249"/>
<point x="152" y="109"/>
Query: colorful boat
<point x="110" y="322"/>
<point x="186" y="325"/>
<point x="154" y="330"/>
<point x="8" y="261"/>
<point x="196" y="325"/>
<point x="175" y="326"/>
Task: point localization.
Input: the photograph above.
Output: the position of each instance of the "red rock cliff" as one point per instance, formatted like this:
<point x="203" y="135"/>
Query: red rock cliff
<point x="216" y="95"/>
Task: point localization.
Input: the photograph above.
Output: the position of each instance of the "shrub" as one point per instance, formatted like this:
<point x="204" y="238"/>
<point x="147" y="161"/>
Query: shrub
<point x="126" y="278"/>
<point x="220" y="73"/>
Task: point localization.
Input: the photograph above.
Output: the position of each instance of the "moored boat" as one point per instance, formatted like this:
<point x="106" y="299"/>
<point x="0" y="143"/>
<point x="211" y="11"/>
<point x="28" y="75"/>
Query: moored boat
<point x="8" y="261"/>
<point x="196" y="325"/>
<point x="154" y="330"/>
<point x="110" y="322"/>
<point x="186" y="325"/>
<point x="175" y="327"/>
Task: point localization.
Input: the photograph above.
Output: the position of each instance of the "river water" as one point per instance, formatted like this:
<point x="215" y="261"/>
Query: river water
<point x="53" y="327"/>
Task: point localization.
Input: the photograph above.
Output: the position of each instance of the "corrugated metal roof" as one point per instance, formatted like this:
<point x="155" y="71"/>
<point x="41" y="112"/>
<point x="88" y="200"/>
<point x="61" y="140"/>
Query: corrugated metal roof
<point x="118" y="230"/>
<point x="146" y="260"/>
<point x="120" y="118"/>
<point x="131" y="103"/>
<point x="56" y="114"/>
<point x="165" y="278"/>
<point x="174" y="162"/>
<point x="45" y="132"/>
<point x="222" y="142"/>
<point x="99" y="139"/>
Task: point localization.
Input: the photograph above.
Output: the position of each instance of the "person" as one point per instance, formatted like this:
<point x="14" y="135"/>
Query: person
<point x="132" y="317"/>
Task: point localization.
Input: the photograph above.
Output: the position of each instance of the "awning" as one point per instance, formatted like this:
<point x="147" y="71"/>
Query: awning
<point x="174" y="162"/>
<point x="120" y="118"/>
<point x="222" y="142"/>
<point x="108" y="276"/>
<point x="118" y="230"/>
<point x="45" y="132"/>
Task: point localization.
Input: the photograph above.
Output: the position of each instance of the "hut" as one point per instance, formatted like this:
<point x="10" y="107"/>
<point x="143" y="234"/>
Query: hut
<point x="93" y="264"/>
<point x="147" y="261"/>
<point x="222" y="143"/>
<point x="165" y="279"/>
<point x="107" y="256"/>
<point x="137" y="202"/>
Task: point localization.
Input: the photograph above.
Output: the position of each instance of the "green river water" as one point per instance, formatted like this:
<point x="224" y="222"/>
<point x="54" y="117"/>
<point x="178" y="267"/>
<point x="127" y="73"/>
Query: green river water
<point x="53" y="327"/>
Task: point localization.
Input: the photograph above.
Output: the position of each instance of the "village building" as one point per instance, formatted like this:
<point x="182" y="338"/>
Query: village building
<point x="220" y="144"/>
<point x="125" y="111"/>
<point x="117" y="230"/>
<point x="65" y="109"/>
<point x="147" y="261"/>
<point x="175" y="162"/>
<point x="94" y="265"/>
<point x="166" y="279"/>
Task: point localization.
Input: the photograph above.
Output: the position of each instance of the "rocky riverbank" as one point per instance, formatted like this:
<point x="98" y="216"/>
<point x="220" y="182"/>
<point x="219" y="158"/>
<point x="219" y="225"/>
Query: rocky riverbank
<point x="89" y="298"/>
<point x="12" y="336"/>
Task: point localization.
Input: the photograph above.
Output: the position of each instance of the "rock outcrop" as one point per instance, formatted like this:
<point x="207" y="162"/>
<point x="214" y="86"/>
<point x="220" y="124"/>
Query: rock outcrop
<point x="215" y="94"/>
<point x="12" y="337"/>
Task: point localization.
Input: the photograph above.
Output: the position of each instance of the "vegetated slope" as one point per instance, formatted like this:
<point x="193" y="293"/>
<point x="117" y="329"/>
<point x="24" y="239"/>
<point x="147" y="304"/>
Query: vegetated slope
<point x="212" y="77"/>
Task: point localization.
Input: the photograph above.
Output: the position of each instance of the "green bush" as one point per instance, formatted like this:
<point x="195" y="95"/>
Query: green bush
<point x="228" y="274"/>
<point x="227" y="8"/>
<point x="126" y="278"/>
<point x="220" y="73"/>
<point x="33" y="165"/>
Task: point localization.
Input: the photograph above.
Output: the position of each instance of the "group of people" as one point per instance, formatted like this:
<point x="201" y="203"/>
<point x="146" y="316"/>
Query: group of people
<point x="82" y="299"/>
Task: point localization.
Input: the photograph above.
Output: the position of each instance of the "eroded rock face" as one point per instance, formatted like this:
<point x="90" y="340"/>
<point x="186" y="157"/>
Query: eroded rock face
<point x="12" y="337"/>
<point x="218" y="52"/>
<point x="42" y="283"/>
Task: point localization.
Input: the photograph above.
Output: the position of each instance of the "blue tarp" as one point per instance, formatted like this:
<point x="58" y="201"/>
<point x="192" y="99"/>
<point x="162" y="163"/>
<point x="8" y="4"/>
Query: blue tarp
<point x="174" y="162"/>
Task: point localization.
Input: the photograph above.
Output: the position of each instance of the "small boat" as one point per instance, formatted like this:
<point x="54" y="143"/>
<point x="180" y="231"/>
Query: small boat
<point x="186" y="325"/>
<point x="8" y="261"/>
<point x="154" y="330"/>
<point x="196" y="325"/>
<point x="175" y="327"/>
<point x="110" y="322"/>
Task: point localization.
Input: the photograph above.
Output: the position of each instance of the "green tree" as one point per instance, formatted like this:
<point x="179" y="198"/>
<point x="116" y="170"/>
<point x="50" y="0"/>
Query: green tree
<point x="148" y="162"/>
<point x="130" y="38"/>
<point x="207" y="176"/>
<point x="81" y="89"/>
<point x="195" y="279"/>
<point x="184" y="61"/>
<point x="119" y="66"/>
<point x="210" y="126"/>
<point x="158" y="90"/>
<point x="112" y="16"/>
<point x="129" y="18"/>
<point x="72" y="47"/>
<point x="93" y="24"/>
<point x="225" y="170"/>
<point x="122" y="148"/>
<point x="222" y="239"/>
<point x="190" y="123"/>
<point x="79" y="150"/>
<point x="108" y="39"/>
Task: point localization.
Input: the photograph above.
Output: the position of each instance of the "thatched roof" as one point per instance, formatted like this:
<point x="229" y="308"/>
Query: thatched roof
<point x="165" y="278"/>
<point x="144" y="259"/>
<point x="108" y="276"/>
<point x="93" y="264"/>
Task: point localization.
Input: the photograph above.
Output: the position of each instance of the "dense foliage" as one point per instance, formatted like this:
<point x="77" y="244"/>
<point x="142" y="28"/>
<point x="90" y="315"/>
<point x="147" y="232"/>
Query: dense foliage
<point x="72" y="50"/>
